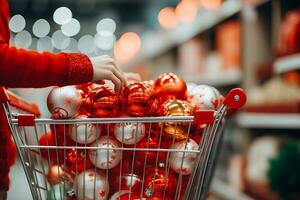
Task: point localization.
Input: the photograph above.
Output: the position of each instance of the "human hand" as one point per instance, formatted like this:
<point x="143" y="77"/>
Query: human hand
<point x="132" y="77"/>
<point x="105" y="68"/>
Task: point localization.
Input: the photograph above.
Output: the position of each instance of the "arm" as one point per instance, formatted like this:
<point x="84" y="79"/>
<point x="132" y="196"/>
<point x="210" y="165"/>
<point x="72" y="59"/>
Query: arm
<point x="23" y="68"/>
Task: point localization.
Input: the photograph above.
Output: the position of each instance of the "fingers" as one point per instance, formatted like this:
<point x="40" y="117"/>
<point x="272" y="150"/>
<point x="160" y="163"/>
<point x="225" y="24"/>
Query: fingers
<point x="117" y="73"/>
<point x="117" y="82"/>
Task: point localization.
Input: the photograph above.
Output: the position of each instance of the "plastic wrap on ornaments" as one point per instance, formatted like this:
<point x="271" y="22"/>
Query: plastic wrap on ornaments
<point x="64" y="102"/>
<point x="102" y="102"/>
<point x="175" y="108"/>
<point x="139" y="99"/>
<point x="56" y="192"/>
<point x="129" y="133"/>
<point x="105" y="158"/>
<point x="85" y="88"/>
<point x="183" y="162"/>
<point x="84" y="133"/>
<point x="204" y="97"/>
<point x="159" y="184"/>
<point x="170" y="86"/>
<point x="128" y="182"/>
<point x="91" y="185"/>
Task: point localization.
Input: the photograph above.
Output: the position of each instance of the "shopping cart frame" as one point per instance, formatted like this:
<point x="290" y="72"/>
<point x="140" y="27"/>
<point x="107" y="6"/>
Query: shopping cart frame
<point x="201" y="175"/>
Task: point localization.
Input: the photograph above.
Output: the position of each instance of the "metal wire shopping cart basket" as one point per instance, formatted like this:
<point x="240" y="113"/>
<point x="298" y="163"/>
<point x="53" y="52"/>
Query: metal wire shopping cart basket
<point x="27" y="128"/>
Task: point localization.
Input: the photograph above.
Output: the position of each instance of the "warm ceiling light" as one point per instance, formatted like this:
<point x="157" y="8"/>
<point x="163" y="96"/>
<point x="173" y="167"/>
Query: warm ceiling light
<point x="210" y="4"/>
<point x="186" y="11"/>
<point x="167" y="18"/>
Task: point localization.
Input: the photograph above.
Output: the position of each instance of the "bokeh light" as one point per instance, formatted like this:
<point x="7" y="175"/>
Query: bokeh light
<point x="86" y="44"/>
<point x="17" y="23"/>
<point x="106" y="27"/>
<point x="127" y="47"/>
<point x="167" y="18"/>
<point x="71" y="28"/>
<point x="23" y="39"/>
<point x="62" y="15"/>
<point x="210" y="4"/>
<point x="59" y="40"/>
<point x="186" y="11"/>
<point x="105" y="42"/>
<point x="73" y="46"/>
<point x="41" y="28"/>
<point x="44" y="44"/>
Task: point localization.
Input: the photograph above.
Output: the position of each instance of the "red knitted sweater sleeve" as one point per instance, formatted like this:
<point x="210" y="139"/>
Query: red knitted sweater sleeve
<point x="23" y="68"/>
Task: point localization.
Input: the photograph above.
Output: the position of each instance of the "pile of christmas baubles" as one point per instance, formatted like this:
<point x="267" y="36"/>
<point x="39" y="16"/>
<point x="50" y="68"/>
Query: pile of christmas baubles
<point x="119" y="171"/>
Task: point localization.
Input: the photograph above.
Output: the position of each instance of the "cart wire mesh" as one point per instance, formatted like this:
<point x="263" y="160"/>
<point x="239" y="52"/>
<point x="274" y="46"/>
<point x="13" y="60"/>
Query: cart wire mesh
<point x="38" y="159"/>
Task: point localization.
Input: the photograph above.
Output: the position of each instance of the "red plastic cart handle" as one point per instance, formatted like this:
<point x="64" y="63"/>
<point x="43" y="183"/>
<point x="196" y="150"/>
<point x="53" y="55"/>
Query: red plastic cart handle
<point x="18" y="102"/>
<point x="235" y="99"/>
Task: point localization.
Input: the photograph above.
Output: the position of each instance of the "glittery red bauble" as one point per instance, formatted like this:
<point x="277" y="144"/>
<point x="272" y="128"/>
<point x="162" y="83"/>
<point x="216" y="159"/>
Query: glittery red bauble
<point x="77" y="160"/>
<point x="130" y="182"/>
<point x="51" y="155"/>
<point x="139" y="99"/>
<point x="170" y="86"/>
<point x="160" y="184"/>
<point x="102" y="102"/>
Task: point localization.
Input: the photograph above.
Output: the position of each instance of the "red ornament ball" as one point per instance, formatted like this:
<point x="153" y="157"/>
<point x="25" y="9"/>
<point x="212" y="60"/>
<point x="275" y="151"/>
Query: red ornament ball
<point x="170" y="86"/>
<point x="102" y="102"/>
<point x="139" y="99"/>
<point x="77" y="160"/>
<point x="51" y="155"/>
<point x="64" y="102"/>
<point x="160" y="184"/>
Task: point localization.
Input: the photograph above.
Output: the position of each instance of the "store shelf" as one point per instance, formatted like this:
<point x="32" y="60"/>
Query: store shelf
<point x="222" y="189"/>
<point x="287" y="63"/>
<point x="158" y="42"/>
<point x="270" y="120"/>
<point x="217" y="80"/>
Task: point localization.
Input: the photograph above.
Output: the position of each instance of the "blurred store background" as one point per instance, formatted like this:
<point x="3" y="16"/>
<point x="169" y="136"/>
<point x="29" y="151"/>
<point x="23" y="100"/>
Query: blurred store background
<point x="253" y="44"/>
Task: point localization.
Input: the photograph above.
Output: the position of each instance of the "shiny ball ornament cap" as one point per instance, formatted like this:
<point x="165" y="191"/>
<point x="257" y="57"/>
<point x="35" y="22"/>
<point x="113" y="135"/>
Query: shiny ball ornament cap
<point x="183" y="162"/>
<point x="64" y="102"/>
<point x="176" y="108"/>
<point x="129" y="133"/>
<point x="102" y="157"/>
<point x="170" y="86"/>
<point x="84" y="133"/>
<point x="139" y="99"/>
<point x="102" y="102"/>
<point x="91" y="185"/>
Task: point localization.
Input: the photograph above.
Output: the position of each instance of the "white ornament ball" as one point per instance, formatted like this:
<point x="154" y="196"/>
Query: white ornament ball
<point x="133" y="132"/>
<point x="103" y="158"/>
<point x="64" y="102"/>
<point x="259" y="153"/>
<point x="84" y="133"/>
<point x="91" y="185"/>
<point x="204" y="97"/>
<point x="117" y="195"/>
<point x="184" y="162"/>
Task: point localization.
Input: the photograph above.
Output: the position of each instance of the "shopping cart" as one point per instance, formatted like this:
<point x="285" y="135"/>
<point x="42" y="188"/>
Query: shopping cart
<point x="27" y="129"/>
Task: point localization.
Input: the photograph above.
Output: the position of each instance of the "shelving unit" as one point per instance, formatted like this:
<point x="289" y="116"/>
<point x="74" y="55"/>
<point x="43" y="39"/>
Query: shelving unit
<point x="164" y="40"/>
<point x="221" y="79"/>
<point x="264" y="120"/>
<point x="287" y="63"/>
